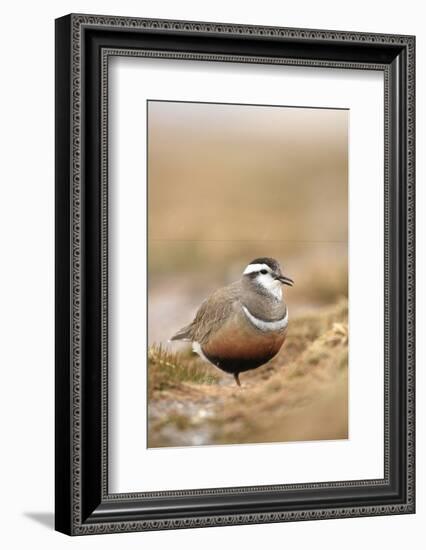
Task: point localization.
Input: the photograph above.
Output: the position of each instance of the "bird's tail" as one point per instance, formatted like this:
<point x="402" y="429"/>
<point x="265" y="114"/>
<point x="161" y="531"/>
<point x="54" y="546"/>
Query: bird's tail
<point x="182" y="334"/>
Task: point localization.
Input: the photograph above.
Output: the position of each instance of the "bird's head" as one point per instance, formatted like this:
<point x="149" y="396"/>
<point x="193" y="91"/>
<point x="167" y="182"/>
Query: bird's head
<point x="264" y="274"/>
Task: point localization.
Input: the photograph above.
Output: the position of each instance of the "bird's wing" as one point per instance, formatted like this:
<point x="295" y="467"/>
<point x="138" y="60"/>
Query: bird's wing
<point x="211" y="315"/>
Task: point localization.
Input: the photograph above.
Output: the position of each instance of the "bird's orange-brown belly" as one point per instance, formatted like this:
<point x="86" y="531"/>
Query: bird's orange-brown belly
<point x="239" y="347"/>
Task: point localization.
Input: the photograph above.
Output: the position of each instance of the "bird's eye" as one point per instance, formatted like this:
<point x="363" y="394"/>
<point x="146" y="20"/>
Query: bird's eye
<point x="263" y="271"/>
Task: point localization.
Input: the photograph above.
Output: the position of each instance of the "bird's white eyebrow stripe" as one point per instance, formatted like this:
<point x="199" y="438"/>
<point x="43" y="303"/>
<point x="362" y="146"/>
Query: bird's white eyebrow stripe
<point x="267" y="326"/>
<point x="252" y="268"/>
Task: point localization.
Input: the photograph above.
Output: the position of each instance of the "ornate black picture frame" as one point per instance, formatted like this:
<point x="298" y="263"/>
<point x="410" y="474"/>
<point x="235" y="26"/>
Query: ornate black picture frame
<point x="83" y="45"/>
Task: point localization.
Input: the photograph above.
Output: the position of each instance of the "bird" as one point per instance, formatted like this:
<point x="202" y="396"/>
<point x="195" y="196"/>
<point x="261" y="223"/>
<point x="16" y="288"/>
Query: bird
<point x="242" y="326"/>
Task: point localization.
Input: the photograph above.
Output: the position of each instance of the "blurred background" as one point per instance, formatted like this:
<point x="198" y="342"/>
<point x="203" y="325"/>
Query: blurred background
<point x="229" y="183"/>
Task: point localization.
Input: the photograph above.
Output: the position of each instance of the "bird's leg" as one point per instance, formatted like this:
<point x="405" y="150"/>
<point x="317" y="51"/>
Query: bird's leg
<point x="237" y="379"/>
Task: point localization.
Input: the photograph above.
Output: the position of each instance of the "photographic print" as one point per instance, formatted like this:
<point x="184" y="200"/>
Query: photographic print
<point x="247" y="273"/>
<point x="229" y="200"/>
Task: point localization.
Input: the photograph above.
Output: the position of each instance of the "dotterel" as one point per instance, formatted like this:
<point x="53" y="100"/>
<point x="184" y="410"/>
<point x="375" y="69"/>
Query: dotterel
<point x="243" y="325"/>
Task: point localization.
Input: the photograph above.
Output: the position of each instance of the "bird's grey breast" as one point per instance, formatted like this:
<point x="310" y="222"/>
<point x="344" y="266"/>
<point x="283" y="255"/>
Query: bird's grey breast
<point x="266" y="326"/>
<point x="263" y="306"/>
<point x="265" y="313"/>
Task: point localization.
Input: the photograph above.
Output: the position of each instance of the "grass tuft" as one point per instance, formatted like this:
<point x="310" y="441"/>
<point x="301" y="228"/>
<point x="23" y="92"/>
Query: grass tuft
<point x="167" y="370"/>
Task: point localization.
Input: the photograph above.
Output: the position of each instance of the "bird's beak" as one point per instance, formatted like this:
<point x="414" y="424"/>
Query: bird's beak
<point x="285" y="280"/>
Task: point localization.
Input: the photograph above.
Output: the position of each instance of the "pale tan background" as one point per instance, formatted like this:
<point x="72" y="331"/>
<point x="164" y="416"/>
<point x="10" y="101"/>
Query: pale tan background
<point x="228" y="183"/>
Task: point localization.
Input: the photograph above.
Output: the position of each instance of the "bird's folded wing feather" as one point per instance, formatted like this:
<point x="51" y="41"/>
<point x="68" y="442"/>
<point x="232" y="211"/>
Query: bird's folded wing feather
<point x="211" y="315"/>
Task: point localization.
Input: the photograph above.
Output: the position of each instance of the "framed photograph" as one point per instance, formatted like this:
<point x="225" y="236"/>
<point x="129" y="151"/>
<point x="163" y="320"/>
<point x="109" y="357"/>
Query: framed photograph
<point x="234" y="274"/>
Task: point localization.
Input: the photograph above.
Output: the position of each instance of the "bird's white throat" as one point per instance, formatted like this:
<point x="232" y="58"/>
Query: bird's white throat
<point x="271" y="285"/>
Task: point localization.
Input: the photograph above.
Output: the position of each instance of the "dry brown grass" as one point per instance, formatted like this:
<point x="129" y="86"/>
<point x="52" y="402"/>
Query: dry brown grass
<point x="302" y="394"/>
<point x="297" y="402"/>
<point x="167" y="370"/>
